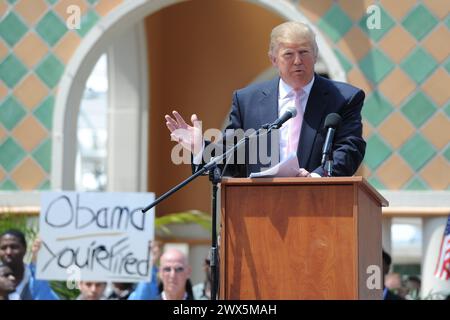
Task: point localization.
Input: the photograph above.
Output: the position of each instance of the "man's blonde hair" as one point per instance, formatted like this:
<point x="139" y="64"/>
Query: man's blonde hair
<point x="291" y="32"/>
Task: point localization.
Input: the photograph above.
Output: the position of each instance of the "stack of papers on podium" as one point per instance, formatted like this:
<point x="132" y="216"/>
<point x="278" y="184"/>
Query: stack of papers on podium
<point x="287" y="168"/>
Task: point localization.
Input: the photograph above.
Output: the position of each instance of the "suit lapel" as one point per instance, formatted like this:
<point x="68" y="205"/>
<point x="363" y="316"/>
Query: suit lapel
<point x="313" y="116"/>
<point x="268" y="108"/>
<point x="268" y="112"/>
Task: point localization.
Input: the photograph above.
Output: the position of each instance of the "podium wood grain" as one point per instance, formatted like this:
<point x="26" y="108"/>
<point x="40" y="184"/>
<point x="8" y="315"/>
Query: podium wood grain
<point x="296" y="238"/>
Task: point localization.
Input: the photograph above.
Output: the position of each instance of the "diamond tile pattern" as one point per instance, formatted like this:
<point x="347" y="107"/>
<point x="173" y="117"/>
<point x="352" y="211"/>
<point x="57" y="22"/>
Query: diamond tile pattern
<point x="2" y="134"/>
<point x="435" y="46"/>
<point x="396" y="130"/>
<point x="344" y="61"/>
<point x="44" y="112"/>
<point x="376" y="65"/>
<point x="375" y="182"/>
<point x="43" y="156"/>
<point x="31" y="11"/>
<point x="417" y="151"/>
<point x="29" y="133"/>
<point x="447" y="65"/>
<point x="31" y="49"/>
<point x="376" y="109"/>
<point x="377" y="151"/>
<point x="437" y="131"/>
<point x="51" y="28"/>
<point x="11" y="70"/>
<point x="335" y="23"/>
<point x="447" y="154"/>
<point x="10" y="154"/>
<point x="11" y="112"/>
<point x="45" y="186"/>
<point x="436" y="86"/>
<point x="447" y="109"/>
<point x="3" y="50"/>
<point x="32" y="60"/>
<point x="28" y="175"/>
<point x="419" y="22"/>
<point x="397" y="43"/>
<point x="366" y="24"/>
<point x="419" y="65"/>
<point x="50" y="70"/>
<point x="12" y="29"/>
<point x="394" y="172"/>
<point x="416" y="184"/>
<point x="8" y="185"/>
<point x="87" y="22"/>
<point x="397" y="86"/>
<point x="418" y="109"/>
<point x="30" y="91"/>
<point x="437" y="173"/>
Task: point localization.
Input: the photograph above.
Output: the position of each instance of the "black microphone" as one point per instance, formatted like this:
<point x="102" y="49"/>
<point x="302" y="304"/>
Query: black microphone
<point x="290" y="112"/>
<point x="332" y="121"/>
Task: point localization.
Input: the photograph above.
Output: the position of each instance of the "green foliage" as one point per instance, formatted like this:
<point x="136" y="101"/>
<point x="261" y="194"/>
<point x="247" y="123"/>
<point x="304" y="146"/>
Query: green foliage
<point x="63" y="291"/>
<point x="193" y="216"/>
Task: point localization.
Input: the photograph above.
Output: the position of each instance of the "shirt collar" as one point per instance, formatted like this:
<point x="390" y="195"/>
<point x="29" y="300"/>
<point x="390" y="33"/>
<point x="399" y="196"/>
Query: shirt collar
<point x="284" y="89"/>
<point x="164" y="297"/>
<point x="16" y="295"/>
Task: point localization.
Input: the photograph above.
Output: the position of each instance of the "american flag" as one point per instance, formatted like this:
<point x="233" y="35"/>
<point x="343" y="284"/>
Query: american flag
<point x="443" y="265"/>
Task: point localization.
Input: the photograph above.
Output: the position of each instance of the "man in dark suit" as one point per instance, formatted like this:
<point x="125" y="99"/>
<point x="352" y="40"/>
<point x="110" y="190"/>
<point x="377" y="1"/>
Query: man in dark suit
<point x="293" y="51"/>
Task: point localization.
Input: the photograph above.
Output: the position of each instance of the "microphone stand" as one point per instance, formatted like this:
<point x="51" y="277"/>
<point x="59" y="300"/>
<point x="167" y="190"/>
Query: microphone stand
<point x="327" y="159"/>
<point x="328" y="167"/>
<point x="215" y="178"/>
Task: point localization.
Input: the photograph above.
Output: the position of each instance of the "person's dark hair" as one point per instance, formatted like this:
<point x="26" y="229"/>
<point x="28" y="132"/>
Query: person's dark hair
<point x="189" y="291"/>
<point x="15" y="233"/>
<point x="415" y="279"/>
<point x="387" y="258"/>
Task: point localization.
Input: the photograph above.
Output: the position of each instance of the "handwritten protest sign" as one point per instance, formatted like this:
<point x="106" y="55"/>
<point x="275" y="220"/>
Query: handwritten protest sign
<point x="101" y="236"/>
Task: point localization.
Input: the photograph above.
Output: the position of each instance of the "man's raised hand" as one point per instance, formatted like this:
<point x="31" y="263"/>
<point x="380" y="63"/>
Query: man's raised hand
<point x="190" y="137"/>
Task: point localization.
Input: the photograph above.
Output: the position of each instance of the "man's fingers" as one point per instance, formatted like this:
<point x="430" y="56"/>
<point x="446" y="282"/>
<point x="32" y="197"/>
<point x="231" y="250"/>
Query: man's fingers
<point x="179" y="119"/>
<point x="303" y="173"/>
<point x="195" y="122"/>
<point x="171" y="120"/>
<point x="170" y="126"/>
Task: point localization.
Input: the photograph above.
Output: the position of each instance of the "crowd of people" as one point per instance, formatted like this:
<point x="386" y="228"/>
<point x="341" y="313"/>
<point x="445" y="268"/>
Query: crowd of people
<point x="170" y="276"/>
<point x="396" y="286"/>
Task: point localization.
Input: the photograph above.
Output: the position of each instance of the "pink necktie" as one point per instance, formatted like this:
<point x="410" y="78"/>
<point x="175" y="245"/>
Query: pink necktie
<point x="295" y="124"/>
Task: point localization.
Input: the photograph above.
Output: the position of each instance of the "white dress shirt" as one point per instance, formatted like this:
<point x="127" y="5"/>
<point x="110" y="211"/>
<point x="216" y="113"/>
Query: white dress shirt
<point x="285" y="100"/>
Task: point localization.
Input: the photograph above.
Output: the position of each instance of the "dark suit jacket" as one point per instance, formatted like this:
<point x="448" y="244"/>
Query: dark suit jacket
<point x="257" y="104"/>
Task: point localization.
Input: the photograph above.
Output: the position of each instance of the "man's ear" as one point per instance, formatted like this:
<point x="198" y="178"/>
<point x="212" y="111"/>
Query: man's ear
<point x="273" y="60"/>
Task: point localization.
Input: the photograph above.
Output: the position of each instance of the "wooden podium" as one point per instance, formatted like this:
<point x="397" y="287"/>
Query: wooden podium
<point x="300" y="238"/>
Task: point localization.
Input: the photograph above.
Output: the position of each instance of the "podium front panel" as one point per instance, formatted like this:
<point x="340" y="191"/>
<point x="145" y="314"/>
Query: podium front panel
<point x="288" y="242"/>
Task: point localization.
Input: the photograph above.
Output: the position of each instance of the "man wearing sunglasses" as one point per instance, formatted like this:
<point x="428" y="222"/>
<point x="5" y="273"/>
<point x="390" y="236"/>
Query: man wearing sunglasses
<point x="174" y="272"/>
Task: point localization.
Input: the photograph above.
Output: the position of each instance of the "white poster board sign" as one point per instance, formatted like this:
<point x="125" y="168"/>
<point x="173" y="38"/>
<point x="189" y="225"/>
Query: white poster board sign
<point x="95" y="236"/>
